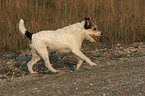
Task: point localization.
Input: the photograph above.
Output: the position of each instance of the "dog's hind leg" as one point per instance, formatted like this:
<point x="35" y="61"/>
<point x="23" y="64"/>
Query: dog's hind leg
<point x="78" y="53"/>
<point x="35" y="59"/>
<point x="44" y="54"/>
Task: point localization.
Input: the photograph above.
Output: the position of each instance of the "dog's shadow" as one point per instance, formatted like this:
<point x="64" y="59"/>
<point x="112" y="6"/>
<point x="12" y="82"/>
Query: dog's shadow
<point x="58" y="61"/>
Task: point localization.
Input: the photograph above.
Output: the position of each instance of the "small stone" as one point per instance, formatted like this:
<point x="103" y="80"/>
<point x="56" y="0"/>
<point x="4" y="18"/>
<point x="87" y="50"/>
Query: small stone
<point x="104" y="94"/>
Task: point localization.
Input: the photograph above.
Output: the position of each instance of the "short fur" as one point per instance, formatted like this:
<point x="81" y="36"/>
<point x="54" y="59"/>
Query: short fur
<point x="64" y="40"/>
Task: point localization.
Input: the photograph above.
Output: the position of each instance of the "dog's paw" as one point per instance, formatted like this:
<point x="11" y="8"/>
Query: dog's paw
<point x="93" y="65"/>
<point x="34" y="72"/>
<point x="57" y="71"/>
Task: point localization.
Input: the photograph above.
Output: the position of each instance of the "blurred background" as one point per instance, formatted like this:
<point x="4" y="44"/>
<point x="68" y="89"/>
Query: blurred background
<point x="121" y="21"/>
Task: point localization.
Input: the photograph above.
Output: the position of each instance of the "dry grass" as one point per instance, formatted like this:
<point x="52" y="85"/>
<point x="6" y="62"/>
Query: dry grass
<point x="120" y="20"/>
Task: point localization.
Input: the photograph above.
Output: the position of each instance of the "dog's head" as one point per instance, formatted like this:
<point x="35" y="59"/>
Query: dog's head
<point x="91" y="30"/>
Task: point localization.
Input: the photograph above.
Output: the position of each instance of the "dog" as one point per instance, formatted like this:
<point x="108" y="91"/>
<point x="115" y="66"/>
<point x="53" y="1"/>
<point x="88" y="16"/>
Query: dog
<point x="64" y="40"/>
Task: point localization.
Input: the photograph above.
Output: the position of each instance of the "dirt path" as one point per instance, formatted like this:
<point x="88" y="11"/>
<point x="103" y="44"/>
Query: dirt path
<point x="115" y="78"/>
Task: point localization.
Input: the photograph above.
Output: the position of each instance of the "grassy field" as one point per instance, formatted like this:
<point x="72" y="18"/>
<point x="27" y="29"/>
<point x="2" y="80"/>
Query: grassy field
<point x="121" y="21"/>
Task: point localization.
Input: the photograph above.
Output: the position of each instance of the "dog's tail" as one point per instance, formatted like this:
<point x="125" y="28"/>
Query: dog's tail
<point x="23" y="29"/>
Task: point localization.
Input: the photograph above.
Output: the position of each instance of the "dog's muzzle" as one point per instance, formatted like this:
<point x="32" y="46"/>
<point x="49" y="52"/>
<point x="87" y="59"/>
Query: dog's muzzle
<point x="95" y="37"/>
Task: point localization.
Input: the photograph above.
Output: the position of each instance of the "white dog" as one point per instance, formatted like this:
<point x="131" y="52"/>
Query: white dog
<point x="67" y="39"/>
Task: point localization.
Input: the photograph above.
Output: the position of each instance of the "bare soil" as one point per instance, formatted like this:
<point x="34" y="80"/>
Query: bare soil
<point x="120" y="72"/>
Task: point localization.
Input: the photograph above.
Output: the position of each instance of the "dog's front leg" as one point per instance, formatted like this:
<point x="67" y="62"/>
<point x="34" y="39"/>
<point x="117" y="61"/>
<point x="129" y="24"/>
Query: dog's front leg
<point x="79" y="63"/>
<point x="79" y="54"/>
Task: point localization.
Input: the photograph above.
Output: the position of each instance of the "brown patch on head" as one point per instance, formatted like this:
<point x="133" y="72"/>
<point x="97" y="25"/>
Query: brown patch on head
<point x="93" y="28"/>
<point x="87" y="23"/>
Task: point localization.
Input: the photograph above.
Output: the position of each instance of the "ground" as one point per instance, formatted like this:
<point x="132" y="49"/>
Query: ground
<point x="120" y="72"/>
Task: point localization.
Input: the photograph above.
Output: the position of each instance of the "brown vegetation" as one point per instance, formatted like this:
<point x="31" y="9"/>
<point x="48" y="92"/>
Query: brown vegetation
<point x="120" y="20"/>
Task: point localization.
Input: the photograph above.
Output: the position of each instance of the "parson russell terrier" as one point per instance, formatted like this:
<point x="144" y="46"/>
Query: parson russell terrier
<point x="64" y="40"/>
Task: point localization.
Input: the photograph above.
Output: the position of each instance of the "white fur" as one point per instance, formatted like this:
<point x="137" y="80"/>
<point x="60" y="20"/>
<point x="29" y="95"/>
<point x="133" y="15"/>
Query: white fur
<point x="67" y="39"/>
<point x="22" y="27"/>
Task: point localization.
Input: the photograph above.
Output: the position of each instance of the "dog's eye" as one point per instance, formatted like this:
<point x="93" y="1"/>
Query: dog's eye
<point x="94" y="28"/>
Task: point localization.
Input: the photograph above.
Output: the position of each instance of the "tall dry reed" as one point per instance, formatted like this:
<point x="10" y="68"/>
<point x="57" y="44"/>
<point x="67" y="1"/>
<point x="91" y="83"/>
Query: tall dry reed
<point x="120" y="20"/>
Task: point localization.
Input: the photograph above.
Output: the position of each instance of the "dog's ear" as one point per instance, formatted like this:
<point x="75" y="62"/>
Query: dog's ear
<point x="87" y="23"/>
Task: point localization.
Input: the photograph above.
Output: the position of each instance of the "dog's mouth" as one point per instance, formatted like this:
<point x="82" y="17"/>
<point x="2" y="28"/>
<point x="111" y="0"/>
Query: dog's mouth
<point x="94" y="37"/>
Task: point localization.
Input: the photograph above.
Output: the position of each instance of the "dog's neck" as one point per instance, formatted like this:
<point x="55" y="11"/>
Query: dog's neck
<point x="79" y="32"/>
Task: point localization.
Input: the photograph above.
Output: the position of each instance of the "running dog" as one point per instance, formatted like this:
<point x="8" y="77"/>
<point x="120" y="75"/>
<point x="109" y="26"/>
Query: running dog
<point x="64" y="40"/>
